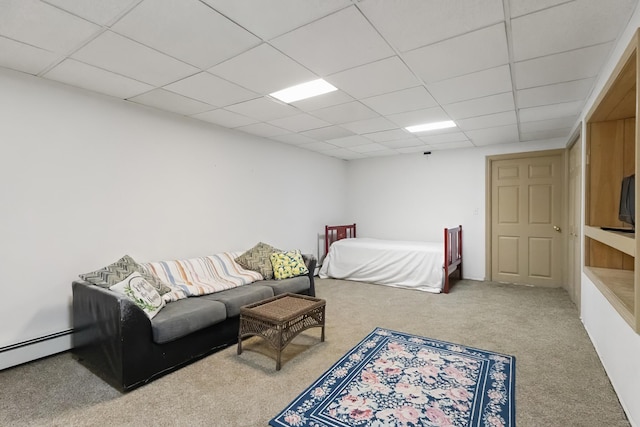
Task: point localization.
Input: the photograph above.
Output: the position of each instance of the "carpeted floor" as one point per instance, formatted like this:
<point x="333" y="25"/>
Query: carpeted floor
<point x="559" y="378"/>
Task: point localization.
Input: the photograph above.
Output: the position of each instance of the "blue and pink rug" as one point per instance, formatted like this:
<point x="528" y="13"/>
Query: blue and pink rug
<point x="396" y="379"/>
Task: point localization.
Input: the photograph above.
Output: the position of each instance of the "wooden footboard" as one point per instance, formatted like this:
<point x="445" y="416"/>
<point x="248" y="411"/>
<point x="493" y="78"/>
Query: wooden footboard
<point x="452" y="254"/>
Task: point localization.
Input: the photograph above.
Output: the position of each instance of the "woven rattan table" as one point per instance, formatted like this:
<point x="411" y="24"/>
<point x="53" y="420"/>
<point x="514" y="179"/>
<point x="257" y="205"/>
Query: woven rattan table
<point x="280" y="319"/>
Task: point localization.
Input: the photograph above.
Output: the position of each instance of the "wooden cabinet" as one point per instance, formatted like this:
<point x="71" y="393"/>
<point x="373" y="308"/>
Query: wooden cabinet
<point x="611" y="154"/>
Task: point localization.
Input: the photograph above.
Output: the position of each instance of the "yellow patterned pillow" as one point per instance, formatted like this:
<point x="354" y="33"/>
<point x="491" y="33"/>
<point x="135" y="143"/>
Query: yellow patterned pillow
<point x="288" y="264"/>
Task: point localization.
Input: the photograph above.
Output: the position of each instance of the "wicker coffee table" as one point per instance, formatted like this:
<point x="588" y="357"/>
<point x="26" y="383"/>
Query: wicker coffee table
<point x="280" y="319"/>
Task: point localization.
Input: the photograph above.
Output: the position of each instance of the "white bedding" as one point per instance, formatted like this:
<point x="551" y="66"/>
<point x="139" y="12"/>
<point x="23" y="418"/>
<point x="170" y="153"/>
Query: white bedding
<point x="403" y="264"/>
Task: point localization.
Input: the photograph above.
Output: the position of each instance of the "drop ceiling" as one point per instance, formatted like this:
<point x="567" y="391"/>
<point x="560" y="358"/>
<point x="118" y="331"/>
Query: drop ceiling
<point x="504" y="71"/>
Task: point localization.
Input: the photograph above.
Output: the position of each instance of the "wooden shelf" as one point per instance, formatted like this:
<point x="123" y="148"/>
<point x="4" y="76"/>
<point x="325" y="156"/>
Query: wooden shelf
<point x="618" y="287"/>
<point x="624" y="242"/>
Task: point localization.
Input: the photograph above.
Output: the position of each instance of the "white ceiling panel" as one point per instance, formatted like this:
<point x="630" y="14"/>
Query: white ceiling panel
<point x="546" y="112"/>
<point x="414" y="98"/>
<point x="263" y="109"/>
<point x="22" y="57"/>
<point x="99" y="11"/>
<point x="367" y="148"/>
<point x="263" y="69"/>
<point x="115" y="53"/>
<point x="447" y="137"/>
<point x="404" y="143"/>
<point x="487" y="121"/>
<point x="344" y="113"/>
<point x="476" y="51"/>
<point x="300" y="122"/>
<point x="412" y="23"/>
<point x="451" y="145"/>
<point x="369" y="125"/>
<point x="319" y="146"/>
<point x="551" y="124"/>
<point x="294" y="139"/>
<point x="411" y="150"/>
<point x="321" y="101"/>
<point x="44" y="26"/>
<point x="337" y="42"/>
<point x="426" y="115"/>
<point x="343" y="153"/>
<point x="262" y="129"/>
<point x="76" y="73"/>
<point x="224" y="118"/>
<point x="497" y="135"/>
<point x="388" y="135"/>
<point x="571" y="25"/>
<point x="523" y="7"/>
<point x="474" y="85"/>
<point x="329" y="132"/>
<point x="349" y="141"/>
<point x="545" y="134"/>
<point x="188" y="30"/>
<point x="481" y="106"/>
<point x="562" y="67"/>
<point x="169" y="101"/>
<point x="386" y="75"/>
<point x="213" y="90"/>
<point x="554" y="94"/>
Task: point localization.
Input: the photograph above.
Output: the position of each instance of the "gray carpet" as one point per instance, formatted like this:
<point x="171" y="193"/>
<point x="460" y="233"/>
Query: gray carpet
<point x="559" y="378"/>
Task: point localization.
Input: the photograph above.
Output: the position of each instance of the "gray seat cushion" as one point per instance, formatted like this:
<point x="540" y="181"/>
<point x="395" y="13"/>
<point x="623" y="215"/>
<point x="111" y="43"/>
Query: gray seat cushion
<point x="235" y="298"/>
<point x="180" y="318"/>
<point x="294" y="285"/>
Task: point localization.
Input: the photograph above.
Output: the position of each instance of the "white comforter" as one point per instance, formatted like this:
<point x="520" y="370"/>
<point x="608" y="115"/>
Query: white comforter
<point x="414" y="265"/>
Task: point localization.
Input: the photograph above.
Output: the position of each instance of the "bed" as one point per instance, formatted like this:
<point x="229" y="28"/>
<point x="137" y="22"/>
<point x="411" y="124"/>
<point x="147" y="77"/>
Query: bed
<point x="424" y="266"/>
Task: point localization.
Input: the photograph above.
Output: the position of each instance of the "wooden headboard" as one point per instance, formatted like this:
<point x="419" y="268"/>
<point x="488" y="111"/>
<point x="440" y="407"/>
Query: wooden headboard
<point x="333" y="233"/>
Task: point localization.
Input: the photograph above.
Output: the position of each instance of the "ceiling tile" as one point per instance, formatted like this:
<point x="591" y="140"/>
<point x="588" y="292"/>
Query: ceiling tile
<point x="571" y="25"/>
<point x="545" y="134"/>
<point x="76" y="73"/>
<point x="452" y="145"/>
<point x="99" y="11"/>
<point x="349" y="141"/>
<point x="562" y="67"/>
<point x="413" y="23"/>
<point x="488" y="121"/>
<point x="319" y="146"/>
<point x="262" y="129"/>
<point x="476" y="51"/>
<point x="344" y="113"/>
<point x="294" y="138"/>
<point x="270" y="18"/>
<point x="382" y="152"/>
<point x="187" y="30"/>
<point x="386" y="75"/>
<point x="411" y="150"/>
<point x="337" y="42"/>
<point x="554" y="94"/>
<point x="263" y="109"/>
<point x="404" y="143"/>
<point x="321" y="101"/>
<point x="523" y="7"/>
<point x="414" y="98"/>
<point x="388" y="135"/>
<point x="367" y="148"/>
<point x="224" y="118"/>
<point x="343" y="153"/>
<point x="426" y="115"/>
<point x="115" y="53"/>
<point x="263" y="69"/>
<point x="475" y="85"/>
<point x="497" y="135"/>
<point x="329" y="132"/>
<point x="545" y="112"/>
<point x="447" y="137"/>
<point x="44" y="26"/>
<point x="369" y="125"/>
<point x="479" y="106"/>
<point x="22" y="57"/>
<point x="213" y="90"/>
<point x="300" y="122"/>
<point x="550" y="124"/>
<point x="169" y="101"/>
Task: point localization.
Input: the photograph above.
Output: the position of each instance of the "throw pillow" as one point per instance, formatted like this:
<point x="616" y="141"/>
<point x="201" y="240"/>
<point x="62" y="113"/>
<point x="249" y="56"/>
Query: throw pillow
<point x="258" y="259"/>
<point x="119" y="270"/>
<point x="288" y="264"/>
<point x="141" y="292"/>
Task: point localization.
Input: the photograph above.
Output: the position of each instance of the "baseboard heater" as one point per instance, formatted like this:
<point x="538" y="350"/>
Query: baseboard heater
<point x="35" y="348"/>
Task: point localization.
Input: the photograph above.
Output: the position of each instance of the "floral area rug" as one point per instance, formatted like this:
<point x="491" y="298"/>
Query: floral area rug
<point x="396" y="379"/>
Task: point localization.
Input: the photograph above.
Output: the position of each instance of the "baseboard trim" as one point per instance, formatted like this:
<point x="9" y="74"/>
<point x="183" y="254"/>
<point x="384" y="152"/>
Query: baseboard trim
<point x="36" y="348"/>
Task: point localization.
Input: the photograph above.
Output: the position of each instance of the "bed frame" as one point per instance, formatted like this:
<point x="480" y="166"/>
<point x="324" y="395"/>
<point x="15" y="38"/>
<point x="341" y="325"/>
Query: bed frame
<point x="452" y="247"/>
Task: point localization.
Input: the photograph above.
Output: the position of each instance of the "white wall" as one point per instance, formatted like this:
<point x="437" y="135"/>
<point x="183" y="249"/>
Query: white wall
<point x="414" y="197"/>
<point x="85" y="179"/>
<point x="615" y="341"/>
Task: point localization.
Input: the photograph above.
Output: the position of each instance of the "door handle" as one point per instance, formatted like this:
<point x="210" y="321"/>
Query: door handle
<point x="555" y="227"/>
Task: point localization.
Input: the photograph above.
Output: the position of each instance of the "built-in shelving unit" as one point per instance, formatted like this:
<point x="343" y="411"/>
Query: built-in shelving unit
<point x="612" y="139"/>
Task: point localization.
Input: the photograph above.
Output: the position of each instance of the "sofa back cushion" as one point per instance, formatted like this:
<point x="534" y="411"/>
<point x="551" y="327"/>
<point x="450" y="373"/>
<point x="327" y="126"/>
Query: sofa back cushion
<point x="201" y="276"/>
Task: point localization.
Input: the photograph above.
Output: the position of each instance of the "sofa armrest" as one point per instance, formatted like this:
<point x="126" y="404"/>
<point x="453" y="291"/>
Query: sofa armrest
<point x="311" y="262"/>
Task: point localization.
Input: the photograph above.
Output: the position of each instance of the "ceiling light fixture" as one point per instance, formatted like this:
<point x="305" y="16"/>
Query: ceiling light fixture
<point x="431" y="126"/>
<point x="303" y="91"/>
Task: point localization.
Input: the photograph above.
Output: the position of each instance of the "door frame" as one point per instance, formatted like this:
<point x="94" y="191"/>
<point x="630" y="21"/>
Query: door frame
<point x="576" y="138"/>
<point x="488" y="202"/>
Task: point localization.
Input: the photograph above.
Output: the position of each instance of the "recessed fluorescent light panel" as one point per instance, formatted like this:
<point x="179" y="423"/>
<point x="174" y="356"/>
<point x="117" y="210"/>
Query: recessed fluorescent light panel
<point x="303" y="91"/>
<point x="431" y="126"/>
